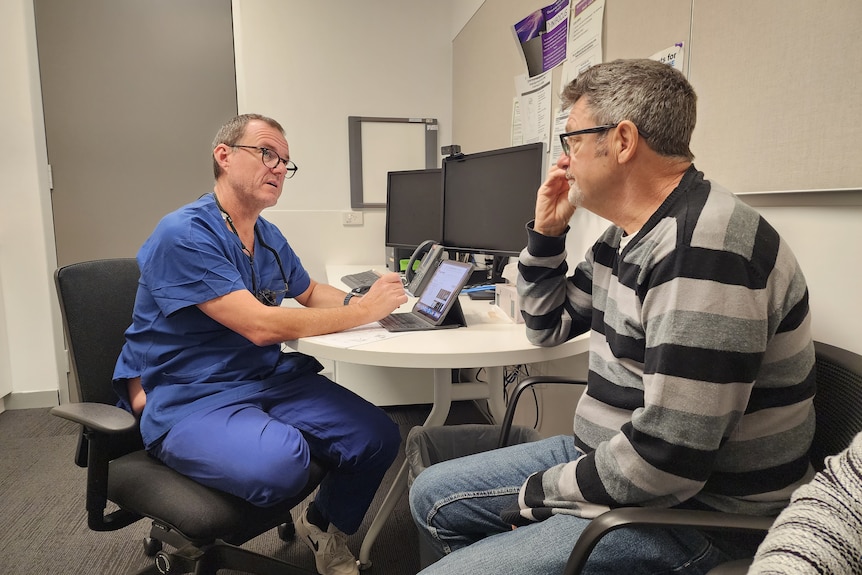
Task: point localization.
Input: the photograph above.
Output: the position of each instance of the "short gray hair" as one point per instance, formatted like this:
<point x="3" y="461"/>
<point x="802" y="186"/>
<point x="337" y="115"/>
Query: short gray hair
<point x="654" y="96"/>
<point x="234" y="130"/>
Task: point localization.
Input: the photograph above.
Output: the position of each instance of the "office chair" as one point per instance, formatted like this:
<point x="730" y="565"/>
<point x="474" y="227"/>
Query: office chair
<point x="204" y="526"/>
<point x="838" y="405"/>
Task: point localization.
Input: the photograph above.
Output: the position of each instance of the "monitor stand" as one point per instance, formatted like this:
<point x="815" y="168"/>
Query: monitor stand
<point x="485" y="294"/>
<point x="481" y="278"/>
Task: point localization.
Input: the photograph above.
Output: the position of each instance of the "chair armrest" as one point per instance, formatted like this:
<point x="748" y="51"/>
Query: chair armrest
<point x="516" y="395"/>
<point x="99" y="417"/>
<point x="625" y="516"/>
<point x="103" y="426"/>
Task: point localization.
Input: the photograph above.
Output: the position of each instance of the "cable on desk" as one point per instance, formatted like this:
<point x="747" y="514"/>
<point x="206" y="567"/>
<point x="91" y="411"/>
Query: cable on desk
<point x="478" y="288"/>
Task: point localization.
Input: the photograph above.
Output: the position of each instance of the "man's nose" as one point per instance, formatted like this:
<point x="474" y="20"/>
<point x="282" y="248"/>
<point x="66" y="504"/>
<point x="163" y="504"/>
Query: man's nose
<point x="563" y="160"/>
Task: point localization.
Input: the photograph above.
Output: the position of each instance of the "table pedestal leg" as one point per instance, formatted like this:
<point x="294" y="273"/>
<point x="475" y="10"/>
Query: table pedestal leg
<point x="437" y="416"/>
<point x="496" y="404"/>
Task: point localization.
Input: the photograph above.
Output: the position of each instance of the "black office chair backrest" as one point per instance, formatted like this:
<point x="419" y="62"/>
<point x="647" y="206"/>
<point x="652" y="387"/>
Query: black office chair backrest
<point x="96" y="300"/>
<point x="838" y="402"/>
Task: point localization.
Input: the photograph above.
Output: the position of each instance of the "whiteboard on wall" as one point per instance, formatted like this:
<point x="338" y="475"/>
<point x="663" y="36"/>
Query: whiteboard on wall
<point x="382" y="145"/>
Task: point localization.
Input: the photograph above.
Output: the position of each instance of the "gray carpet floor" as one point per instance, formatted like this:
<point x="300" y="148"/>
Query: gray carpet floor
<point x="43" y="526"/>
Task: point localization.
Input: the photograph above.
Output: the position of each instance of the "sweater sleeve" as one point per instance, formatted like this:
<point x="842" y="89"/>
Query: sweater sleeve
<point x="555" y="308"/>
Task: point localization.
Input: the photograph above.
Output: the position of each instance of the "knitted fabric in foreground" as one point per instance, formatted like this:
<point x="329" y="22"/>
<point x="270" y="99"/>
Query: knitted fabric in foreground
<point x="821" y="530"/>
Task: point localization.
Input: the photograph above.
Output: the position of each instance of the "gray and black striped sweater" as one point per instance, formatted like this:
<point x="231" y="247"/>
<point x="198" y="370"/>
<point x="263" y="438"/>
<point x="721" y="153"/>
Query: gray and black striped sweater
<point x="701" y="369"/>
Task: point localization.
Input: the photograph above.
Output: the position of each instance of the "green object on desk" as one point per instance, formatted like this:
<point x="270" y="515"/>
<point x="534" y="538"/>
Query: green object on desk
<point x="402" y="265"/>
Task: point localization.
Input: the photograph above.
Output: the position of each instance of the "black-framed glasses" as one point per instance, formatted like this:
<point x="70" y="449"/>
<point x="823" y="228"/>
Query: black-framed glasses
<point x="269" y="297"/>
<point x="271" y="160"/>
<point x="564" y="138"/>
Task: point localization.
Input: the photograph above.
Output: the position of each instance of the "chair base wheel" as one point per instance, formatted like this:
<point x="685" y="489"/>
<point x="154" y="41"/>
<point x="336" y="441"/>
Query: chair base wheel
<point x="151" y="546"/>
<point x="164" y="565"/>
<point x="286" y="531"/>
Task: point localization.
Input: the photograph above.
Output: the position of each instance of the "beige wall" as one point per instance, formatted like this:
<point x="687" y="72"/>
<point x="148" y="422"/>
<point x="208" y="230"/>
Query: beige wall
<point x="310" y="66"/>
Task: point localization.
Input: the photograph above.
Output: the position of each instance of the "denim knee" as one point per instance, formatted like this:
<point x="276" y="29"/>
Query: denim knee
<point x="425" y="493"/>
<point x="428" y="492"/>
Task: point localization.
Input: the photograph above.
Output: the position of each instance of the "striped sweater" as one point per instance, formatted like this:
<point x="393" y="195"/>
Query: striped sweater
<point x="701" y="361"/>
<point x="821" y="529"/>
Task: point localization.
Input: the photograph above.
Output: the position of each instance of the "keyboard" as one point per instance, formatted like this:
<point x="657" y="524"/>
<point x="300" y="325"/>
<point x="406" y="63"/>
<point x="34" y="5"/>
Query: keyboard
<point x="403" y="322"/>
<point x="360" y="279"/>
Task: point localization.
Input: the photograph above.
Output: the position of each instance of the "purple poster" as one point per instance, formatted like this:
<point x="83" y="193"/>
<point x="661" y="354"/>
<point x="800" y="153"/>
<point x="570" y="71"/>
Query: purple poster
<point x="542" y="36"/>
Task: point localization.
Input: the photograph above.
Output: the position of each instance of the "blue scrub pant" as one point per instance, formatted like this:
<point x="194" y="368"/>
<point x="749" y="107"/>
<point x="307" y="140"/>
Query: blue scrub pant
<point x="259" y="448"/>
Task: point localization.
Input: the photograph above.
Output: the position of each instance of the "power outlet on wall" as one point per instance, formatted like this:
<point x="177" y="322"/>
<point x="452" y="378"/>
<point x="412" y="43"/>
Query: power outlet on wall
<point x="351" y="218"/>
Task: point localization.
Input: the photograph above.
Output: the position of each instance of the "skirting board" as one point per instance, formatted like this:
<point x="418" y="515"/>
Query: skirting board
<point x="32" y="399"/>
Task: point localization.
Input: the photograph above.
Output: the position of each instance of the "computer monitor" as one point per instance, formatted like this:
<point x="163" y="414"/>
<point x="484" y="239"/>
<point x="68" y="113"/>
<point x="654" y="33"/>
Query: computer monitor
<point x="414" y="207"/>
<point x="488" y="197"/>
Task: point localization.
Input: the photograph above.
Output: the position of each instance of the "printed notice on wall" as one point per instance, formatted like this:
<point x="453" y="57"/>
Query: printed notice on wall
<point x="517" y="133"/>
<point x="542" y="37"/>
<point x="584" y="45"/>
<point x="585" y="30"/>
<point x="534" y="106"/>
<point x="673" y="56"/>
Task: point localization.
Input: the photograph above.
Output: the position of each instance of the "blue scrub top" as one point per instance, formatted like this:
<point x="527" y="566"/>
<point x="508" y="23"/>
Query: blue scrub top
<point x="188" y="361"/>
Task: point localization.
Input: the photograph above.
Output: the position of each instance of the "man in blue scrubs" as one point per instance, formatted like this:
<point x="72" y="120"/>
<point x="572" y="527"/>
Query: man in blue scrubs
<point x="203" y="368"/>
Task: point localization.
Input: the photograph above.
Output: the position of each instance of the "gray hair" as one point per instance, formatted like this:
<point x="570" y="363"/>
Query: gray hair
<point x="234" y="130"/>
<point x="654" y="96"/>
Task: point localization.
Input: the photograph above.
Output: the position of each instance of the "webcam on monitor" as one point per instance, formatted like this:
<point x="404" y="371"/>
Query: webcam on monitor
<point x="451" y="151"/>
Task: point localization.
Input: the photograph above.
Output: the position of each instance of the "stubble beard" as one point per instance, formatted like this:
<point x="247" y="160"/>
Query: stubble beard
<point x="576" y="195"/>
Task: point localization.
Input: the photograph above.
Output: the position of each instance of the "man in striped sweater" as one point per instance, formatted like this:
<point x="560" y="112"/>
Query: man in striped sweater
<point x="701" y="358"/>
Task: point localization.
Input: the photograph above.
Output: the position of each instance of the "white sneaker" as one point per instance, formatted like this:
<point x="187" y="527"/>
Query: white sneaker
<point x="331" y="555"/>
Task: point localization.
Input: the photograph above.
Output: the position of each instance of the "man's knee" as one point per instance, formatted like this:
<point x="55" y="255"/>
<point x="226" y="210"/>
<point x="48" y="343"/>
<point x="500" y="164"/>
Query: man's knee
<point x="385" y="441"/>
<point x="278" y="487"/>
<point x="426" y="492"/>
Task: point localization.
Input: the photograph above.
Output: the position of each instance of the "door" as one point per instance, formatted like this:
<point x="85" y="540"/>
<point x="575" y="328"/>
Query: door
<point x="133" y="94"/>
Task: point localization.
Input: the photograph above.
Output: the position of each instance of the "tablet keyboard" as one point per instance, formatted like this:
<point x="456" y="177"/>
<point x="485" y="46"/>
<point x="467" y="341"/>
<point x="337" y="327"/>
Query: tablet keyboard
<point x="403" y="322"/>
<point x="360" y="279"/>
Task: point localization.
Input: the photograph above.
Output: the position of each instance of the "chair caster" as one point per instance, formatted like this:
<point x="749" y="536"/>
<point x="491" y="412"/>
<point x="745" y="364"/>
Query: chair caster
<point x="151" y="546"/>
<point x="164" y="563"/>
<point x="286" y="531"/>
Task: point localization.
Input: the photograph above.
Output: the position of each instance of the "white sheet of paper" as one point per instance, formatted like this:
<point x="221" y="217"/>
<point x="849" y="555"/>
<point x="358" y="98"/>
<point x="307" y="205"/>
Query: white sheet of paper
<point x="534" y="96"/>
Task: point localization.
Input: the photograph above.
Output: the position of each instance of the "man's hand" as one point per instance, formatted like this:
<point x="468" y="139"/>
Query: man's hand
<point x="553" y="208"/>
<point x="384" y="296"/>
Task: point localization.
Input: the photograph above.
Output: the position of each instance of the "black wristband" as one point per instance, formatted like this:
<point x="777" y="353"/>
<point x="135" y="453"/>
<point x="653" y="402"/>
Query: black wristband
<point x="348" y="297"/>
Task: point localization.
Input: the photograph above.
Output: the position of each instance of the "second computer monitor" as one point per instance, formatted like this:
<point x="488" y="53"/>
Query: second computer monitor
<point x="414" y="207"/>
<point x="488" y="198"/>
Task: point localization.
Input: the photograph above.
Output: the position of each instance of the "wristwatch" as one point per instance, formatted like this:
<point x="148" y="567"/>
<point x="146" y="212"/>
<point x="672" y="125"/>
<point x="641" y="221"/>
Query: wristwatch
<point x="349" y="296"/>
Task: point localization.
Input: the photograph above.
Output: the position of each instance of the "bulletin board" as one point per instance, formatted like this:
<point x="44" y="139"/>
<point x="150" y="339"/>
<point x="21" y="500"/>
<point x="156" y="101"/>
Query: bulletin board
<point x="381" y="145"/>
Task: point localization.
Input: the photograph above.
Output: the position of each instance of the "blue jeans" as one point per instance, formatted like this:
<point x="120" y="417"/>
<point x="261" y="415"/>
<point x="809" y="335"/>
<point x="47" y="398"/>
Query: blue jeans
<point x="259" y="448"/>
<point x="456" y="505"/>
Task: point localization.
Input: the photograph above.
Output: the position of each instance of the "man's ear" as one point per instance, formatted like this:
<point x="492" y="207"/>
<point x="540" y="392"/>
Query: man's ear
<point x="221" y="153"/>
<point x="626" y="141"/>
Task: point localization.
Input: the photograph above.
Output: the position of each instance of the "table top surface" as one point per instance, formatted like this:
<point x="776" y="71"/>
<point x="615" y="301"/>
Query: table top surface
<point x="490" y="339"/>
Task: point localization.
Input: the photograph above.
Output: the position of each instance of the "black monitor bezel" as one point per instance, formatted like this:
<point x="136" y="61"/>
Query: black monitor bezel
<point x="389" y="213"/>
<point x="538" y="149"/>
